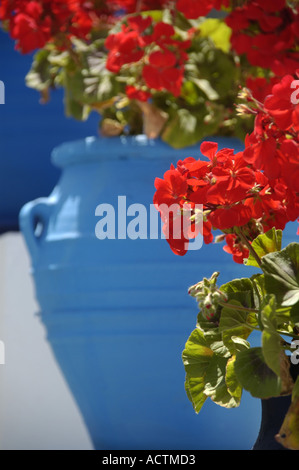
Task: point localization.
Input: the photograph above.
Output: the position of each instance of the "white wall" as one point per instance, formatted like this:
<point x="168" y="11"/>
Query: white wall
<point x="37" y="411"/>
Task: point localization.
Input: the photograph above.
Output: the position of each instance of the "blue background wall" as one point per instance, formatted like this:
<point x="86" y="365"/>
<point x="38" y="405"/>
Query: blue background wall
<point x="28" y="133"/>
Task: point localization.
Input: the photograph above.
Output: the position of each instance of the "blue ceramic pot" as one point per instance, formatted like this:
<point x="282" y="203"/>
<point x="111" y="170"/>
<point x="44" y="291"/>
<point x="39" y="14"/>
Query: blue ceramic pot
<point x="117" y="312"/>
<point x="273" y="415"/>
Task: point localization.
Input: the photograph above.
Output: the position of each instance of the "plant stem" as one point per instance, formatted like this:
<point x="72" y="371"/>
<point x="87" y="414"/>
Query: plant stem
<point x="138" y="6"/>
<point x="291" y="335"/>
<point x="238" y="307"/>
<point x="249" y="246"/>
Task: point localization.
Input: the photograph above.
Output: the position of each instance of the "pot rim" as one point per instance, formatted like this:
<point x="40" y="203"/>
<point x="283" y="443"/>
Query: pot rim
<point x="94" y="149"/>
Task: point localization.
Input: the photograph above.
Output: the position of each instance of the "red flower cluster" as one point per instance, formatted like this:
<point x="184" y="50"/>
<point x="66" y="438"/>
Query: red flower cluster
<point x="163" y="56"/>
<point x="191" y="9"/>
<point x="34" y="23"/>
<point x="128" y="45"/>
<point x="134" y="93"/>
<point x="273" y="146"/>
<point x="253" y="190"/>
<point x="164" y="69"/>
<point x="260" y="87"/>
<point x="267" y="33"/>
<point x="132" y="6"/>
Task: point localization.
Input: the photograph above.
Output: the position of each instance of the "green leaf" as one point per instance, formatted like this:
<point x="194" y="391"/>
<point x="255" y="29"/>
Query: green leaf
<point x="233" y="385"/>
<point x="186" y="128"/>
<point x="254" y="374"/>
<point x="194" y="387"/>
<point x="187" y="390"/>
<point x="268" y="313"/>
<point x="259" y="290"/>
<point x="234" y="320"/>
<point x="190" y="93"/>
<point x="43" y="73"/>
<point x="75" y="109"/>
<point x="281" y="271"/>
<point x="240" y="290"/>
<point x="196" y="358"/>
<point x="265" y="243"/>
<point x="219" y="348"/>
<point x="218" y="31"/>
<point x="271" y="340"/>
<point x="197" y="354"/>
<point x="237" y="286"/>
<point x="235" y="344"/>
<point x="215" y="66"/>
<point x="288" y="434"/>
<point x="205" y="86"/>
<point x="181" y="129"/>
<point x="215" y="384"/>
<point x="156" y="15"/>
<point x="240" y="344"/>
<point x="272" y="349"/>
<point x="295" y="392"/>
<point x="210" y="329"/>
<point x="233" y="323"/>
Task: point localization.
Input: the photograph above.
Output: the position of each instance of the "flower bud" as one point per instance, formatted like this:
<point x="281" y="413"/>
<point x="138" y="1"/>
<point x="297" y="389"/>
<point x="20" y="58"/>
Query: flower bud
<point x="208" y="297"/>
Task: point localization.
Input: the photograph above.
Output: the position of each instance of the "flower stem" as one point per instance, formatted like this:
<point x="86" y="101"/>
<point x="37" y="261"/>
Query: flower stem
<point x="285" y="333"/>
<point x="238" y="307"/>
<point x="138" y="6"/>
<point x="249" y="246"/>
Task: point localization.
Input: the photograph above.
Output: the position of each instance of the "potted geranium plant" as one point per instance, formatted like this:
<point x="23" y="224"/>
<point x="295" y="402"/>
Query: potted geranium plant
<point x="162" y="75"/>
<point x="249" y="197"/>
<point x="155" y="67"/>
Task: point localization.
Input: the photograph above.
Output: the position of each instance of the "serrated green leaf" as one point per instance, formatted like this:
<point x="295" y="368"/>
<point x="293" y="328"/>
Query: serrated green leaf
<point x="194" y="387"/>
<point x="265" y="243"/>
<point x="196" y="359"/>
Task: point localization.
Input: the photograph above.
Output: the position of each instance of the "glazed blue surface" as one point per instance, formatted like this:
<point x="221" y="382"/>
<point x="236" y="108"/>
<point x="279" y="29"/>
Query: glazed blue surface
<point x="117" y="311"/>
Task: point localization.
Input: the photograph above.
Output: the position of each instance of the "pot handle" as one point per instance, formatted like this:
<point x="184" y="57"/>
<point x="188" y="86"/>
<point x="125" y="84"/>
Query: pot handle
<point x="34" y="221"/>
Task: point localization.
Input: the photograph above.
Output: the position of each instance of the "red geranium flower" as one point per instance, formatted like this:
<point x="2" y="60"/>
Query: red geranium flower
<point x="162" y="72"/>
<point x="280" y="106"/>
<point x="235" y="248"/>
<point x="124" y="47"/>
<point x="170" y="190"/>
<point x="135" y="94"/>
